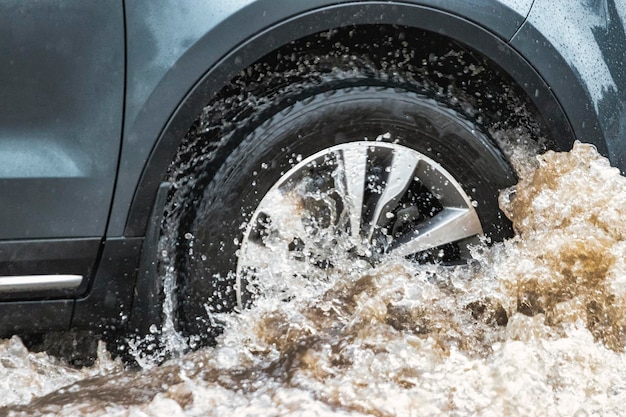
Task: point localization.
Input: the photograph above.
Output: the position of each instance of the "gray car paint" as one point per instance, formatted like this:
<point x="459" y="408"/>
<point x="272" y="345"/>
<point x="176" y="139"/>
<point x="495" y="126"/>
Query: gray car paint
<point x="61" y="100"/>
<point x="579" y="48"/>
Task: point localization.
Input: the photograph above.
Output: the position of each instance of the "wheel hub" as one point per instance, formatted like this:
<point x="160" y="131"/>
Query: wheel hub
<point x="361" y="200"/>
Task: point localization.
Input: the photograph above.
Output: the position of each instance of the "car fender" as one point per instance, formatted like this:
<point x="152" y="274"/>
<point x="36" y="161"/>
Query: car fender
<point x="578" y="49"/>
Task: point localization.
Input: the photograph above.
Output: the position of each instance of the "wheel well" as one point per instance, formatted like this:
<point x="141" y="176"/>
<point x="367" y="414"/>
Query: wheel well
<point x="443" y="68"/>
<point x="388" y="55"/>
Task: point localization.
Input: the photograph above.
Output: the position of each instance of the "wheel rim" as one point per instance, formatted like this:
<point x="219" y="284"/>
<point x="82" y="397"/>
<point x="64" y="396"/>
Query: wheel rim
<point x="360" y="199"/>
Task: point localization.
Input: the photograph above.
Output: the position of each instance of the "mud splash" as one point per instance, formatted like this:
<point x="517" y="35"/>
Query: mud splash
<point x="532" y="326"/>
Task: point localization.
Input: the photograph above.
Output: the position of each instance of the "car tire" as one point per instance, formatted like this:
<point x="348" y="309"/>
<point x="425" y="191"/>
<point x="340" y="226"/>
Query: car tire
<point x="452" y="164"/>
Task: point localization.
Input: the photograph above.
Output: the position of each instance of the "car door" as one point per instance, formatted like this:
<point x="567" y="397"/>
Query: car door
<point x="61" y="103"/>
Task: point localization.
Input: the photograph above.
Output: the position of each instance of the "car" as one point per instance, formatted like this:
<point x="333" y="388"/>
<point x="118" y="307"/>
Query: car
<point x="169" y="153"/>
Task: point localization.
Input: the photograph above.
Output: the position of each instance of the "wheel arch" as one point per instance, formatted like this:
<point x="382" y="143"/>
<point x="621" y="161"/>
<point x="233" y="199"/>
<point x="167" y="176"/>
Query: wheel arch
<point x="489" y="43"/>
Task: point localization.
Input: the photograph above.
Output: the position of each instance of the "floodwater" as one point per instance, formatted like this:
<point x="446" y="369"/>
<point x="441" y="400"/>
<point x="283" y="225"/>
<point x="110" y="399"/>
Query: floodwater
<point x="531" y="326"/>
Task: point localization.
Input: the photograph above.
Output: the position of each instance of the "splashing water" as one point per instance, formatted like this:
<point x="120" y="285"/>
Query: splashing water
<point x="531" y="326"/>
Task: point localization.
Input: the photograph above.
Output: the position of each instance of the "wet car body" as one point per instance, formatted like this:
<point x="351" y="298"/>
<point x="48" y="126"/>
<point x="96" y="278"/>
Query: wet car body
<point x="97" y="97"/>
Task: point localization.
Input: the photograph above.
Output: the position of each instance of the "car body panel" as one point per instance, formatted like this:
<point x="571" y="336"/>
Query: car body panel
<point x="578" y="47"/>
<point x="62" y="84"/>
<point x="35" y="316"/>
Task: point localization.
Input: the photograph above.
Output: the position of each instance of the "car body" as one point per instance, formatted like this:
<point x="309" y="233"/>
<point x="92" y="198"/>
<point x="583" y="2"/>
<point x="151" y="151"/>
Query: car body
<point x="97" y="96"/>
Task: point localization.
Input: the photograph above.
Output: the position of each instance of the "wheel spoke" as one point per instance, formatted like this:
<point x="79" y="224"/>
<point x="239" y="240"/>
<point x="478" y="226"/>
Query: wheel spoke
<point x="354" y="170"/>
<point x="442" y="186"/>
<point x="401" y="175"/>
<point x="449" y="225"/>
<point x="393" y="199"/>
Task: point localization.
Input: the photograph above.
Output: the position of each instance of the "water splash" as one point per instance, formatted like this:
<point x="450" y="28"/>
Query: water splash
<point x="569" y="219"/>
<point x="25" y="376"/>
<point x="532" y="326"/>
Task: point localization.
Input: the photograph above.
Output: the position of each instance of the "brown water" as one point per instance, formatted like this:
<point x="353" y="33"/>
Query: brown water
<point x="532" y="326"/>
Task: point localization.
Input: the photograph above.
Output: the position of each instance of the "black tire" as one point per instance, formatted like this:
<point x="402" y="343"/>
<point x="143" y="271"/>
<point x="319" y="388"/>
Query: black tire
<point x="269" y="142"/>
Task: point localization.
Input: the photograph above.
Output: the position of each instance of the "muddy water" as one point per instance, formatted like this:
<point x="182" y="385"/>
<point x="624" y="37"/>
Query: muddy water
<point x="532" y="326"/>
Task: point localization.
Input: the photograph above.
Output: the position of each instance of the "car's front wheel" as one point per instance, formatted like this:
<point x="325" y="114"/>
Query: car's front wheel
<point x="353" y="173"/>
